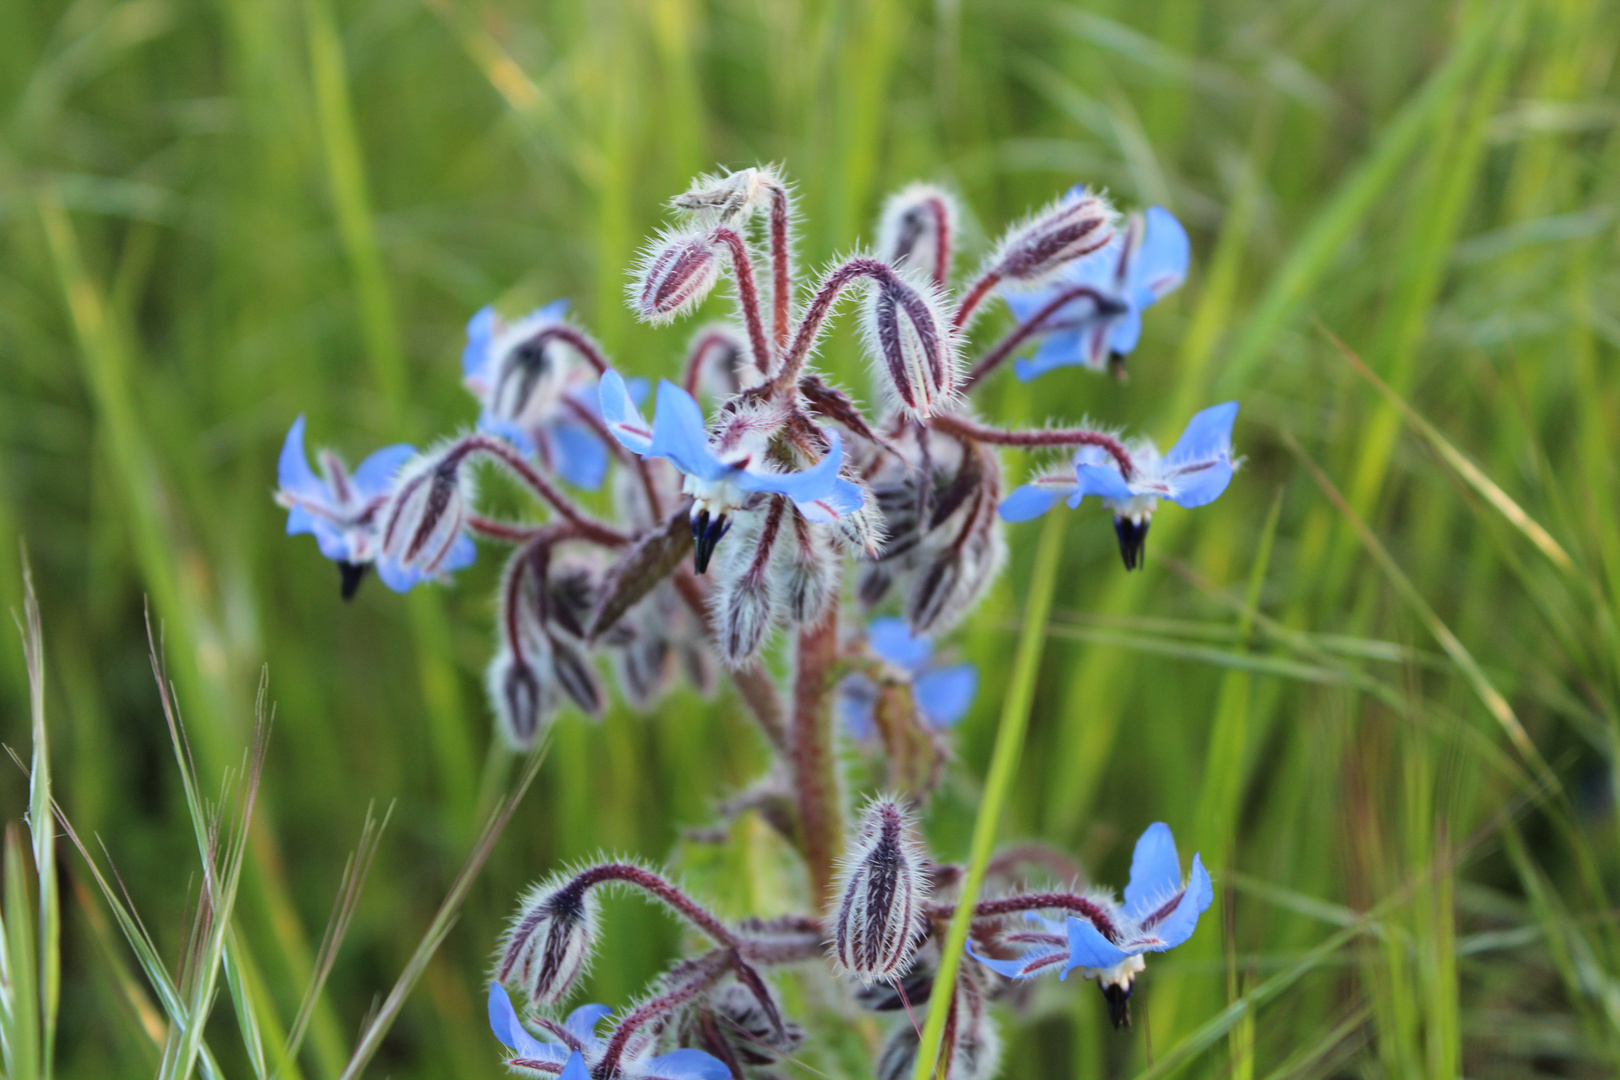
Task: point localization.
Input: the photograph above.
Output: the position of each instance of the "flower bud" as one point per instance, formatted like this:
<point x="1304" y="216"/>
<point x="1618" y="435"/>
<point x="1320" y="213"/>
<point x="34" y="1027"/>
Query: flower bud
<point x="745" y="603"/>
<point x="911" y="344"/>
<point x="531" y="374"/>
<point x="523" y="703"/>
<point x="422" y="522"/>
<point x="882" y="892"/>
<point x="806" y="572"/>
<point x="727" y="200"/>
<point x="549" y="944"/>
<point x="576" y="677"/>
<point x="915" y="231"/>
<point x="1075" y="225"/>
<point x="675" y="277"/>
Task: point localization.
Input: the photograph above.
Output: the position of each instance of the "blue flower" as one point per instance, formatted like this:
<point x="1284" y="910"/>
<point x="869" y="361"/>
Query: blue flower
<point x="1195" y="472"/>
<point x="721" y="474"/>
<point x="1160" y="912"/>
<point x="337" y="507"/>
<point x="942" y="693"/>
<point x="578" y="1047"/>
<point x="1138" y="268"/>
<point x="536" y="391"/>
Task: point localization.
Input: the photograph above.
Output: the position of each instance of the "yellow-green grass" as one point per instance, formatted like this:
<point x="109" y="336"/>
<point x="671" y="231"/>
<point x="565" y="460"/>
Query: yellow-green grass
<point x="1375" y="683"/>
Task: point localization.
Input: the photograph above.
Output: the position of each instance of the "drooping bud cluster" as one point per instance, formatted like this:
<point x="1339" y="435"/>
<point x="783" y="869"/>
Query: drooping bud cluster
<point x="738" y="531"/>
<point x="876" y="926"/>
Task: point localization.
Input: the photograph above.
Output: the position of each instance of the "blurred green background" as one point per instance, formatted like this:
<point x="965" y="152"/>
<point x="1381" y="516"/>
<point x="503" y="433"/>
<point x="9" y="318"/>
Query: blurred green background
<point x="1379" y="699"/>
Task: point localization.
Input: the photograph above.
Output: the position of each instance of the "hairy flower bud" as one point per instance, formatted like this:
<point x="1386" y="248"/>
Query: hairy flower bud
<point x="422" y="521"/>
<point x="911" y="344"/>
<point x="727" y="200"/>
<point x="531" y="374"/>
<point x="915" y="231"/>
<point x="549" y="943"/>
<point x="675" y="276"/>
<point x="1075" y="225"/>
<point x="806" y="571"/>
<point x="882" y="890"/>
<point x="745" y="603"/>
<point x="522" y="700"/>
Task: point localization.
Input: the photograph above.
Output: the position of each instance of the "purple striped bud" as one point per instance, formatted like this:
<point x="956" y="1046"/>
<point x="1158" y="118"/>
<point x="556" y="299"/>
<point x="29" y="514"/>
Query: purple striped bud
<point x="910" y="343"/>
<point x="523" y="701"/>
<point x="883" y="886"/>
<point x="806" y="571"/>
<point x="549" y="943"/>
<point x="915" y="231"/>
<point x="423" y="519"/>
<point x="745" y="604"/>
<point x="1075" y="225"/>
<point x="674" y="277"/>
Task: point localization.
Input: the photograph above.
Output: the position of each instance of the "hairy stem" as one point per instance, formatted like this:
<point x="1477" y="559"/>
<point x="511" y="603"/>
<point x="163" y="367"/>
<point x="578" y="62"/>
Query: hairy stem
<point x="975" y="296"/>
<point x="1031" y="326"/>
<point x="804" y="338"/>
<point x="812" y="761"/>
<point x="781" y="265"/>
<point x="597" y="532"/>
<point x="580" y="340"/>
<point x="967" y="429"/>
<point x="702" y="974"/>
<point x="742" y="268"/>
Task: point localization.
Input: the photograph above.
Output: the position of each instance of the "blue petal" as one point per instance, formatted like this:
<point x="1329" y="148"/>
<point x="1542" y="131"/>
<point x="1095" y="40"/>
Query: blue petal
<point x="503" y="1020"/>
<point x="819" y="492"/>
<point x="1203" y="486"/>
<point x="1102" y="480"/>
<point x="577" y="454"/>
<point x="1030" y="501"/>
<point x="1013" y="969"/>
<point x="399" y="578"/>
<point x="944" y="695"/>
<point x="1160" y="264"/>
<point x="1179" y="925"/>
<point x="575" y="1068"/>
<point x="620" y="414"/>
<point x="680" y="434"/>
<point x="1065" y="349"/>
<point x="489" y="424"/>
<point x="1155" y="871"/>
<point x="682" y="1064"/>
<point x="292" y="469"/>
<point x="461" y="555"/>
<point x="475" y="354"/>
<point x="376" y="474"/>
<point x="581" y="1023"/>
<point x="1208" y="435"/>
<point x="893" y="640"/>
<point x="1088" y="948"/>
<point x="857" y="706"/>
<point x="1125" y="330"/>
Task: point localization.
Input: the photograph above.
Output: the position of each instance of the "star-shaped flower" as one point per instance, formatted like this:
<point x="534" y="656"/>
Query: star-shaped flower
<point x="578" y="1048"/>
<point x="942" y="693"/>
<point x="722" y="473"/>
<point x="1141" y="266"/>
<point x="1195" y="472"/>
<point x="338" y="507"/>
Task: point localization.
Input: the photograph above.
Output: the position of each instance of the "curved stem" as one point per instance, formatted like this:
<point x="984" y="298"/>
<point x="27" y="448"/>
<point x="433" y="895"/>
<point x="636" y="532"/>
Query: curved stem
<point x="1089" y="910"/>
<point x="708" y="971"/>
<point x="967" y="429"/>
<point x="649" y="882"/>
<point x="742" y="268"/>
<point x="580" y="340"/>
<point x="698" y="355"/>
<point x="975" y="296"/>
<point x="787" y="376"/>
<point x="942" y="240"/>
<point x="509" y="531"/>
<point x="1030" y="326"/>
<point x="499" y="449"/>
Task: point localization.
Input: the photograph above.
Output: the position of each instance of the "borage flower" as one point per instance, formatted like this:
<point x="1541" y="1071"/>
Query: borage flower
<point x="1160" y="912"/>
<point x="1101" y="319"/>
<point x="942" y="693"/>
<point x="1194" y="472"/>
<point x="537" y="391"/>
<point x="722" y="474"/>
<point x="338" y="508"/>
<point x="578" y="1049"/>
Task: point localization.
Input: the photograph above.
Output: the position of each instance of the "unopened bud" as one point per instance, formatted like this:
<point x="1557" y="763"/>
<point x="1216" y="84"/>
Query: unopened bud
<point x="745" y="604"/>
<point x="1075" y="225"/>
<point x="422" y="522"/>
<point x="676" y="276"/>
<point x="575" y="675"/>
<point x="530" y="375"/>
<point x="727" y="200"/>
<point x="910" y="343"/>
<point x="884" y="887"/>
<point x="915" y="230"/>
<point x="806" y="570"/>
<point x="523" y="703"/>
<point x="549" y="944"/>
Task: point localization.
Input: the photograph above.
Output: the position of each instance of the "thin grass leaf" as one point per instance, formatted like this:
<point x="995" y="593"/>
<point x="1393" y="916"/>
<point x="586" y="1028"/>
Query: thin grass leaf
<point x="42" y="830"/>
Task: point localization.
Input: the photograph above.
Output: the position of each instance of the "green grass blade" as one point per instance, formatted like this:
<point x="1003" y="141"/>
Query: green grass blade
<point x="998" y="781"/>
<point x="42" y="829"/>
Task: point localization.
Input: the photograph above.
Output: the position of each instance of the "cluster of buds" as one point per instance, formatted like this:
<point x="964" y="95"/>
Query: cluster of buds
<point x="754" y="503"/>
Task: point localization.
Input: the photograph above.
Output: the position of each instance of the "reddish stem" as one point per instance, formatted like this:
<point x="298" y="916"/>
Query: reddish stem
<point x="708" y="970"/>
<point x="509" y="531"/>
<point x="781" y="269"/>
<point x="589" y="527"/>
<point x="967" y="429"/>
<point x="639" y="463"/>
<point x="812" y="762"/>
<point x="1030" y="326"/>
<point x="975" y="296"/>
<point x="742" y="268"/>
<point x="942" y="240"/>
<point x="1090" y="910"/>
<point x="816" y="314"/>
<point x="580" y="340"/>
<point x="699" y="355"/>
